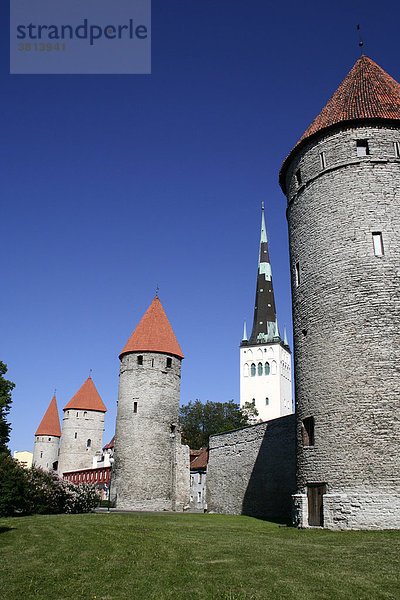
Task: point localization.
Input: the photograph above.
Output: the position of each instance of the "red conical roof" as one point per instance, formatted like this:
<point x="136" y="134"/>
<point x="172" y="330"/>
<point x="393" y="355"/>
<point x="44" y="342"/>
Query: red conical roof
<point x="87" y="398"/>
<point x="50" y="424"/>
<point x="366" y="93"/>
<point x="154" y="333"/>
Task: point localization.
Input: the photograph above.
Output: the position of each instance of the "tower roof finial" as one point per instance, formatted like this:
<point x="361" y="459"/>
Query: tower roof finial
<point x="360" y="41"/>
<point x="244" y="332"/>
<point x="157" y="290"/>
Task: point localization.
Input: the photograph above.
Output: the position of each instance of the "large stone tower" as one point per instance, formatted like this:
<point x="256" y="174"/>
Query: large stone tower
<point x="342" y="181"/>
<point x="151" y="465"/>
<point x="265" y="359"/>
<point x="47" y="439"/>
<point x="82" y="430"/>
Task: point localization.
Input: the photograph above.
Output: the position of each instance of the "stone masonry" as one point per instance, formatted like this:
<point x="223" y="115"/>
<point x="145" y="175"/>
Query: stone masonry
<point x="251" y="471"/>
<point x="346" y="310"/>
<point x="80" y="426"/>
<point x="151" y="466"/>
<point x="45" y="452"/>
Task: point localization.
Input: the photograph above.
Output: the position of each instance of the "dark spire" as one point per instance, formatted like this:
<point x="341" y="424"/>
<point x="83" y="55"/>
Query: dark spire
<point x="265" y="323"/>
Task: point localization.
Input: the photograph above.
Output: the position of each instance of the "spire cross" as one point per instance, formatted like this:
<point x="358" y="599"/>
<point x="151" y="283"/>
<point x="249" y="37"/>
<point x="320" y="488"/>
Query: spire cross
<point x="55" y="391"/>
<point x="157" y="290"/>
<point x="360" y="43"/>
<point x="90" y="373"/>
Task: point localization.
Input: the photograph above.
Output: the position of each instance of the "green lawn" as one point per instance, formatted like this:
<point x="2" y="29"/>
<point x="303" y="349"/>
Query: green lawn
<point x="191" y="557"/>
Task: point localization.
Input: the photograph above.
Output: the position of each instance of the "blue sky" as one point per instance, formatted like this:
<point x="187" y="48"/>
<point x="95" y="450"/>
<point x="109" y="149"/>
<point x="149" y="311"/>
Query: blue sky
<point x="114" y="184"/>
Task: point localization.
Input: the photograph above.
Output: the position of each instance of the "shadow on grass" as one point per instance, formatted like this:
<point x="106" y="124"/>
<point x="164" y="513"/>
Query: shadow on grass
<point x="5" y="529"/>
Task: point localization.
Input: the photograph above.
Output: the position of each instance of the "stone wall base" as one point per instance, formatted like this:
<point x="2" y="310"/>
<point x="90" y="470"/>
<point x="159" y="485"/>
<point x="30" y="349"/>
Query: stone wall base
<point x="352" y="510"/>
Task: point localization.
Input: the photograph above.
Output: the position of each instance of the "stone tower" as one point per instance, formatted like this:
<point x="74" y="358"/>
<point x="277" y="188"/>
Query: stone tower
<point x="342" y="181"/>
<point x="151" y="465"/>
<point x="82" y="430"/>
<point x="265" y="359"/>
<point x="47" y="439"/>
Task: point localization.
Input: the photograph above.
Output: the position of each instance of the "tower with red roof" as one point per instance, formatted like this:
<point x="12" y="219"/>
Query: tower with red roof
<point x="342" y="181"/>
<point x="151" y="469"/>
<point x="47" y="439"/>
<point x="82" y="430"/>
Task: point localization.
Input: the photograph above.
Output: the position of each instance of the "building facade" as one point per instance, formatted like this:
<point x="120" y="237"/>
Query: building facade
<point x="151" y="470"/>
<point x="47" y="439"/>
<point x="82" y="429"/>
<point x="265" y="359"/>
<point x="342" y="182"/>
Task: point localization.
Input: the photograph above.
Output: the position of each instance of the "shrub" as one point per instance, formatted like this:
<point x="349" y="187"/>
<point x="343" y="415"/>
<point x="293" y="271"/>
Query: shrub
<point x="36" y="491"/>
<point x="14" y="486"/>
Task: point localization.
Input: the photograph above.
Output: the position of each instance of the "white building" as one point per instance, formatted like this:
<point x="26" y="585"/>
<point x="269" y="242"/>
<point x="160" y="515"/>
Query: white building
<point x="265" y="359"/>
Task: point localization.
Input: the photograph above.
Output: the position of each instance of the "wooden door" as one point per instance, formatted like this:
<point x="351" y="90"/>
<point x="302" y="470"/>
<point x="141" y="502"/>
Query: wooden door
<point x="315" y="504"/>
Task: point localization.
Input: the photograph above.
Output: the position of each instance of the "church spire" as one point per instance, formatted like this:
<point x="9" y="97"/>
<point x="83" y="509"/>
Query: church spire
<point x="264" y="324"/>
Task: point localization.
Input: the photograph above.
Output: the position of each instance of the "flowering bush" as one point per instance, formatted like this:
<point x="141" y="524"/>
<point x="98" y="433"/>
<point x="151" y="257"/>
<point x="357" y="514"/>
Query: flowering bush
<point x="35" y="491"/>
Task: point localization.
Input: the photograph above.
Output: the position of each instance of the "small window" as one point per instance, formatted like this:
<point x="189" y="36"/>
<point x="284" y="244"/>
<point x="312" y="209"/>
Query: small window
<point x="41" y="455"/>
<point x="266" y="401"/>
<point x="135" y="407"/>
<point x="88" y="443"/>
<point x="307" y="431"/>
<point x="377" y="241"/>
<point x="76" y="435"/>
<point x="362" y="147"/>
<point x="152" y="362"/>
<point x="253" y="370"/>
<point x="396" y="149"/>
<point x="199" y="477"/>
<point x="49" y="439"/>
<point x="267" y="369"/>
<point x="245" y="370"/>
<point x="322" y="158"/>
<point x="77" y="414"/>
<point x="140" y="360"/>
<point x="198" y="496"/>
<point x="298" y="177"/>
<point x="85" y="414"/>
<point x="169" y="363"/>
<point x="297" y="274"/>
<point x="260" y="369"/>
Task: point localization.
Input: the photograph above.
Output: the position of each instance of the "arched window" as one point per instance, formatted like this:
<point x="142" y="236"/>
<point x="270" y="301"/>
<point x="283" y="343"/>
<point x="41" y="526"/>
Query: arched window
<point x="89" y="443"/>
<point x="267" y="368"/>
<point x="266" y="401"/>
<point x="253" y="369"/>
<point x="259" y="353"/>
<point x="260" y="368"/>
<point x="273" y="367"/>
<point x="245" y="370"/>
<point x="85" y="414"/>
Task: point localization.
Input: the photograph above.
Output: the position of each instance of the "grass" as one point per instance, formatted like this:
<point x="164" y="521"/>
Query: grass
<point x="191" y="557"/>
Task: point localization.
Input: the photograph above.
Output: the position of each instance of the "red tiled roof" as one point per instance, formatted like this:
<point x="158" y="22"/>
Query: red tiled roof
<point x="50" y="424"/>
<point x="109" y="445"/>
<point x="87" y="398"/>
<point x="154" y="333"/>
<point x="367" y="92"/>
<point x="200" y="462"/>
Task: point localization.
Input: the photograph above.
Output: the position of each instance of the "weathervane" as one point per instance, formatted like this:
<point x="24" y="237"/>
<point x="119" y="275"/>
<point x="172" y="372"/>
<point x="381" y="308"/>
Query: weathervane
<point x="360" y="43"/>
<point x="90" y="373"/>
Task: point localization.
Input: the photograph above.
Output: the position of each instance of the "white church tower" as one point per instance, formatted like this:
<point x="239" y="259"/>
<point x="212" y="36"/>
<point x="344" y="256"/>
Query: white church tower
<point x="265" y="359"/>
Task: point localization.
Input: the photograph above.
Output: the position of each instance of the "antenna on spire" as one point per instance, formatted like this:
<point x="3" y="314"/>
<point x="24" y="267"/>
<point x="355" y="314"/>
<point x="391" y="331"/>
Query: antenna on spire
<point x="157" y="290"/>
<point x="360" y="41"/>
<point x="90" y="373"/>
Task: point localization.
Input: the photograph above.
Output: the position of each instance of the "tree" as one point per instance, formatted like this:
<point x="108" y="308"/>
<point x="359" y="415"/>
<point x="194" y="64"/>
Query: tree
<point x="198" y="421"/>
<point x="6" y="388"/>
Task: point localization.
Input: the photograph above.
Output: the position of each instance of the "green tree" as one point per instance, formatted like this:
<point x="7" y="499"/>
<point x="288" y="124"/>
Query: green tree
<point x="198" y="421"/>
<point x="6" y="388"/>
